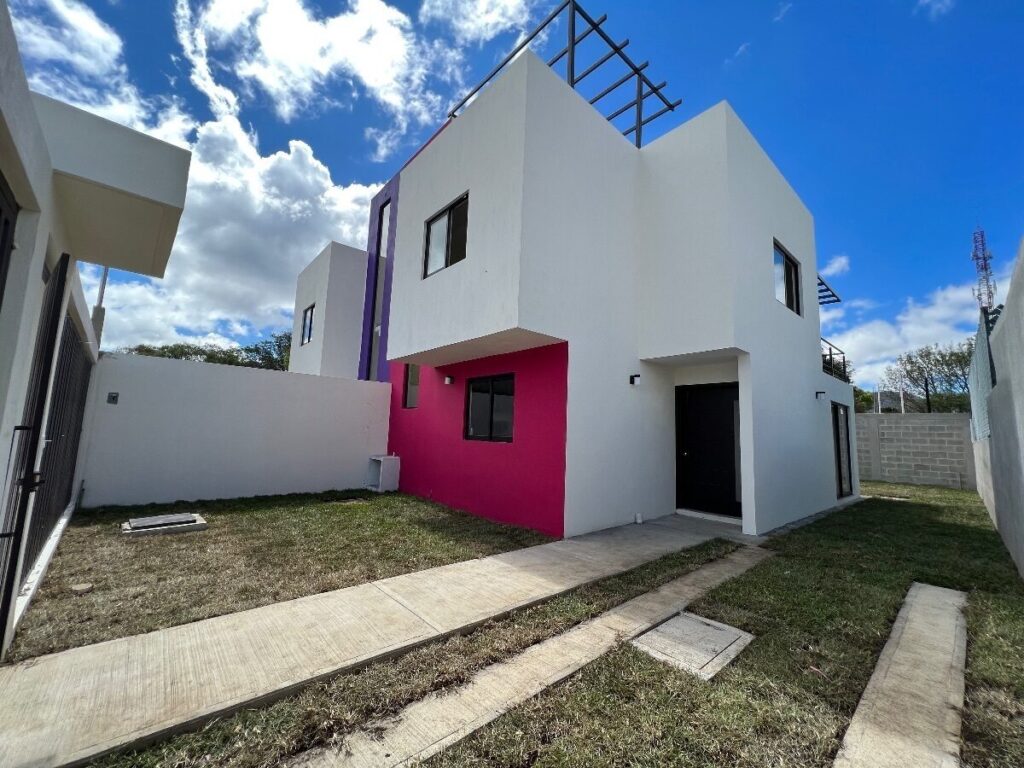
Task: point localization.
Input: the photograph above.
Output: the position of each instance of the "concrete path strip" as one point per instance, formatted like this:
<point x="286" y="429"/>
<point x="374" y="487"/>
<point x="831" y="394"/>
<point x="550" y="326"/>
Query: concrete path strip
<point x="440" y="720"/>
<point x="909" y="714"/>
<point x="70" y="707"/>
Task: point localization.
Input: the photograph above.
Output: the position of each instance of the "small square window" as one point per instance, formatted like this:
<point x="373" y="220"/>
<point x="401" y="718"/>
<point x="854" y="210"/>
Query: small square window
<point x="446" y="237"/>
<point x="787" y="279"/>
<point x="490" y="408"/>
<point x="411" y="390"/>
<point x="307" y="325"/>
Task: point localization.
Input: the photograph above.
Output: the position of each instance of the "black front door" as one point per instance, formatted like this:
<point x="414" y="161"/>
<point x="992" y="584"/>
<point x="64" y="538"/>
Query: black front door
<point x="707" y="454"/>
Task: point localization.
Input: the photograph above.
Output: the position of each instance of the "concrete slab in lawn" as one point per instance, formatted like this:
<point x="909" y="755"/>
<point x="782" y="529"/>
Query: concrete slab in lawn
<point x="442" y="719"/>
<point x="694" y="644"/>
<point x="70" y="707"/>
<point x="909" y="714"/>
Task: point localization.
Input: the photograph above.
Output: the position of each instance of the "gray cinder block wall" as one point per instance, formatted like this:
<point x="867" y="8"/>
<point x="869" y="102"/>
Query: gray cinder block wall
<point x="916" y="448"/>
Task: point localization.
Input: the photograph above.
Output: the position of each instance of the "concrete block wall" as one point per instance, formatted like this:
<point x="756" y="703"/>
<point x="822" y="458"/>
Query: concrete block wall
<point x="916" y="448"/>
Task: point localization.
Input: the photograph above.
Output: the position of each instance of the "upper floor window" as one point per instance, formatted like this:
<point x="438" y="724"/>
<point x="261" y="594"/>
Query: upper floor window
<point x="787" y="279"/>
<point x="489" y="408"/>
<point x="307" y="325"/>
<point x="446" y="237"/>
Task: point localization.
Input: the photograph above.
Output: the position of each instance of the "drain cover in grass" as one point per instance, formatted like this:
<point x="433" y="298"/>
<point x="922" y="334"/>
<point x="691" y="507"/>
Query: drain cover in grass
<point x="694" y="644"/>
<point x="177" y="523"/>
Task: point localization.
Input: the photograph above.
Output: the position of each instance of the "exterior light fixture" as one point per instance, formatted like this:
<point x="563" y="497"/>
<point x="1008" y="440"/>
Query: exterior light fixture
<point x="449" y="379"/>
<point x="634" y="378"/>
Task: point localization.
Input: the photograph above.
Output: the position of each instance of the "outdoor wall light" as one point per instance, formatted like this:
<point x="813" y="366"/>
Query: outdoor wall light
<point x="449" y="379"/>
<point x="634" y="378"/>
<point x="819" y="395"/>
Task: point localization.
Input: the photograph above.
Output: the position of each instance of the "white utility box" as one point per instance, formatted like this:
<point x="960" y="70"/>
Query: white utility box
<point x="384" y="473"/>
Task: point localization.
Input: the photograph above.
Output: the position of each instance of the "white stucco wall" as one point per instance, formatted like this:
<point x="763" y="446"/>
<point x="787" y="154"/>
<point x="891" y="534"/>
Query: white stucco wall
<point x="481" y="152"/>
<point x="187" y="430"/>
<point x="335" y="282"/>
<point x="657" y="262"/>
<point x="1005" y="450"/>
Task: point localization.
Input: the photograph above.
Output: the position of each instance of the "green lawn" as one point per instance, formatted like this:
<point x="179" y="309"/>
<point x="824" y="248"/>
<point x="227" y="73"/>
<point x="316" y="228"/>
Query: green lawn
<point x="821" y="610"/>
<point x="256" y="551"/>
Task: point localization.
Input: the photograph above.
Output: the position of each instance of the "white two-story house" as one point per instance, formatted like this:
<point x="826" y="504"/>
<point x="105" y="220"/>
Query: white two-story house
<point x="581" y="332"/>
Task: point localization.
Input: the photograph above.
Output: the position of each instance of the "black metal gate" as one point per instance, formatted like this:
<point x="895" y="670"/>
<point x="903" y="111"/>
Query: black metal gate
<point x="24" y="447"/>
<point x="60" y="448"/>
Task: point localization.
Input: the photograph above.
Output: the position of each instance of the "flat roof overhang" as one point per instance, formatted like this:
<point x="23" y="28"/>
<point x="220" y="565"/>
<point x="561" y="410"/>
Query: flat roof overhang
<point x="120" y="192"/>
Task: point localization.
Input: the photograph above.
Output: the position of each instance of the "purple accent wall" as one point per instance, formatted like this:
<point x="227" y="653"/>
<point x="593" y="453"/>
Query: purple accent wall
<point x="389" y="192"/>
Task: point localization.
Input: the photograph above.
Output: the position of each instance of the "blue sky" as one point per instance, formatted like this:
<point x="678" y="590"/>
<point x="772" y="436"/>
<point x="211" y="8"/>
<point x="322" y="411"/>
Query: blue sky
<point x="898" y="122"/>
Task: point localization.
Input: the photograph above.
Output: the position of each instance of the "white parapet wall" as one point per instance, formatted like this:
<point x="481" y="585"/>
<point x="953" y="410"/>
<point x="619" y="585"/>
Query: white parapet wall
<point x="183" y="430"/>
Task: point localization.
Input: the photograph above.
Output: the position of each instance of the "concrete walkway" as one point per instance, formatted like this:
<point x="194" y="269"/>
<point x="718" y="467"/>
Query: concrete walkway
<point x="68" y="707"/>
<point x="430" y="725"/>
<point x="909" y="714"/>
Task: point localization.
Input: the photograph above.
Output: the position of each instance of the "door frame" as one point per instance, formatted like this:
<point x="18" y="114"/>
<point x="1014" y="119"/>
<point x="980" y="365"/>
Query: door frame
<point x="732" y="386"/>
<point x="834" y="418"/>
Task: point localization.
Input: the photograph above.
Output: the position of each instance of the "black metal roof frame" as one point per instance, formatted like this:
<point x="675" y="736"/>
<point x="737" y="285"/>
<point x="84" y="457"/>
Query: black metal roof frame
<point x="825" y="293"/>
<point x="577" y="18"/>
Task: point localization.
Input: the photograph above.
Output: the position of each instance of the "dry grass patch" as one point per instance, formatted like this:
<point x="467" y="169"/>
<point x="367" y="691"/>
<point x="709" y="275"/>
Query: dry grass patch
<point x="256" y="552"/>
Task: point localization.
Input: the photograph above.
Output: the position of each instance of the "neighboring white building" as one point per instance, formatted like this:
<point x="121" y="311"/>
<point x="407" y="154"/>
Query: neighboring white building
<point x="328" y="313"/>
<point x="73" y="187"/>
<point x="580" y="331"/>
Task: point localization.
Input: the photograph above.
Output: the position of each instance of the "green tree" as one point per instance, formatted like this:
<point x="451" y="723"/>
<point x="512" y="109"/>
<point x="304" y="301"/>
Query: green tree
<point x="863" y="401"/>
<point x="271" y="354"/>
<point x="937" y="374"/>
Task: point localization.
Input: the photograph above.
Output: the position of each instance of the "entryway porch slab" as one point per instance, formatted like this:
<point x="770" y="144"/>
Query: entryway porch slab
<point x="70" y="707"/>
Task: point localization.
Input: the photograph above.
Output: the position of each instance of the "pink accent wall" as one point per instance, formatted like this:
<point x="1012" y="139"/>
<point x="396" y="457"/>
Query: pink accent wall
<point x="522" y="482"/>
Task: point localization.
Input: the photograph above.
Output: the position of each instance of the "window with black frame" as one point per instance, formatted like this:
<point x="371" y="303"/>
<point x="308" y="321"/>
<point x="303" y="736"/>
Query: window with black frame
<point x="490" y="408"/>
<point x="307" y="325"/>
<point x="787" y="279"/>
<point x="446" y="237"/>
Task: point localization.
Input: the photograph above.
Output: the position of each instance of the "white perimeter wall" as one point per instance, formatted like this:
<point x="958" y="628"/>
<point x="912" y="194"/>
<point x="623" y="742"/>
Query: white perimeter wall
<point x="183" y="430"/>
<point x="1005" y="449"/>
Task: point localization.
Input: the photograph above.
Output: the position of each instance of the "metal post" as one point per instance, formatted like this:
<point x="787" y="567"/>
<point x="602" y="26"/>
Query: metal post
<point x="570" y="66"/>
<point x="639" y="109"/>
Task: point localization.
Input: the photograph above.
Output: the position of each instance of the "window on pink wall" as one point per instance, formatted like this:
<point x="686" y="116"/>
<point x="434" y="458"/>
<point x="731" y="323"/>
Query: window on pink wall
<point x="411" y="388"/>
<point x="490" y="408"/>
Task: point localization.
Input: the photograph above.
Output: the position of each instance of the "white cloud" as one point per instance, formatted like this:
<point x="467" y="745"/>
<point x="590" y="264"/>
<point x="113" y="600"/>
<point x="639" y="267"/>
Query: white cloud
<point x="286" y="50"/>
<point x="935" y="8"/>
<point x="947" y="315"/>
<point x="837" y="265"/>
<point x="478" y="21"/>
<point x="781" y="11"/>
<point x="84" y="67"/>
<point x="830" y="316"/>
<point x="66" y="31"/>
<point x="251" y="221"/>
<point x="741" y="52"/>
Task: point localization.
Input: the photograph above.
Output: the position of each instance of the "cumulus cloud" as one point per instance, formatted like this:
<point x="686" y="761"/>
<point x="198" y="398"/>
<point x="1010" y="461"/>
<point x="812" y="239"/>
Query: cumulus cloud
<point x="478" y="21"/>
<point x="84" y="67"/>
<point x="948" y="315"/>
<point x="837" y="265"/>
<point x="291" y="54"/>
<point x="251" y="221"/>
<point x="935" y="8"/>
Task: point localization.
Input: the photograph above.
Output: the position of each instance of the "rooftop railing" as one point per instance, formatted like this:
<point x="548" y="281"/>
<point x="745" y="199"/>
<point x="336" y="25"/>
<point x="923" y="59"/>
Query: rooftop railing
<point x="834" y="362"/>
